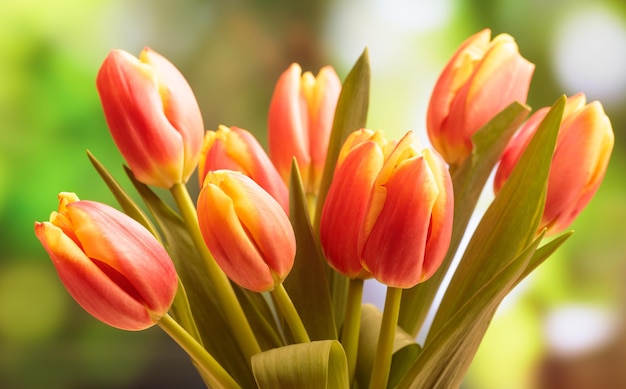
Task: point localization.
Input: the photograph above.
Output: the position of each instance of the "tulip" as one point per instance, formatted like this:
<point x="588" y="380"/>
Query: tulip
<point x="236" y="149"/>
<point x="246" y="230"/>
<point x="407" y="226"/>
<point x="584" y="144"/>
<point x="301" y="115"/>
<point x="153" y="116"/>
<point x="360" y="159"/>
<point x="110" y="264"/>
<point x="482" y="78"/>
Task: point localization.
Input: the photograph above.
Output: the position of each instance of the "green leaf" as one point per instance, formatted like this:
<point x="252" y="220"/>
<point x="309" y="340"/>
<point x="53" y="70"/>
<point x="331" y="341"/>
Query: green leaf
<point x="509" y="224"/>
<point x="316" y="365"/>
<point x="405" y="349"/>
<point x="469" y="180"/>
<point x="544" y="252"/>
<point x="446" y="357"/>
<point x="261" y="317"/>
<point x="307" y="284"/>
<point x="350" y="115"/>
<point x="127" y="204"/>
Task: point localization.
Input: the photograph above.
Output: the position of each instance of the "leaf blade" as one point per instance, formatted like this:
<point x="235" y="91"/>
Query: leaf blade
<point x="319" y="364"/>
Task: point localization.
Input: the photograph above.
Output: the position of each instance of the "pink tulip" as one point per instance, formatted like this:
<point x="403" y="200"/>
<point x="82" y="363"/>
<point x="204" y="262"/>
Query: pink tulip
<point x="580" y="160"/>
<point x="482" y="78"/>
<point x="153" y="116"/>
<point x="246" y="230"/>
<point x="110" y="264"/>
<point x="301" y="115"/>
<point x="236" y="149"/>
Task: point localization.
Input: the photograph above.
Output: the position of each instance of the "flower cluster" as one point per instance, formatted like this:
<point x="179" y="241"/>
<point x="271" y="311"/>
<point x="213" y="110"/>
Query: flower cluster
<point x="331" y="204"/>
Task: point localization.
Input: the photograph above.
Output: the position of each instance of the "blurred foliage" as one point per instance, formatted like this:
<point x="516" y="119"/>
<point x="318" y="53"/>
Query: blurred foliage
<point x="232" y="53"/>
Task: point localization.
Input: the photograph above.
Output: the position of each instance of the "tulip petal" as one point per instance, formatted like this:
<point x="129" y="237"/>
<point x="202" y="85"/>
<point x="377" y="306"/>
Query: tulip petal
<point x="345" y="206"/>
<point x="323" y="104"/>
<point x="265" y="222"/>
<point x="109" y="236"/>
<point x="229" y="241"/>
<point x="394" y="251"/>
<point x="100" y="296"/>
<point x="180" y="107"/>
<point x="288" y="135"/>
<point x="440" y="233"/>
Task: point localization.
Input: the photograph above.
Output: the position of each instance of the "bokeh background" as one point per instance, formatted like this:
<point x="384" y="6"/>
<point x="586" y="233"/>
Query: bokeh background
<point x="563" y="328"/>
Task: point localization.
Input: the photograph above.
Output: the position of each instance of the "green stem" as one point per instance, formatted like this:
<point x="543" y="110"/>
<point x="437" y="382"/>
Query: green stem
<point x="382" y="361"/>
<point x="288" y="310"/>
<point x="352" y="324"/>
<point x="224" y="290"/>
<point x="182" y="312"/>
<point x="213" y="371"/>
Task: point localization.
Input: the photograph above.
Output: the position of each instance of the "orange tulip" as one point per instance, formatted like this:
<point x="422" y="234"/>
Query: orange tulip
<point x="580" y="160"/>
<point x="236" y="149"/>
<point x="483" y="77"/>
<point x="110" y="264"/>
<point x="407" y="225"/>
<point x="152" y="115"/>
<point x="301" y="115"/>
<point x="246" y="230"/>
<point x="358" y="164"/>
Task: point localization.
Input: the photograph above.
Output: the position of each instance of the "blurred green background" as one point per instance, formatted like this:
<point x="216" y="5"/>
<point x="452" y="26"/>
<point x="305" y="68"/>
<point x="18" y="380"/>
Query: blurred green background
<point x="563" y="328"/>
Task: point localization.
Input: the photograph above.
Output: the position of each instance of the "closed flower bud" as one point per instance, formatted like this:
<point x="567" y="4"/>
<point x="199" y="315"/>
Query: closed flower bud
<point x="360" y="159"/>
<point x="301" y="115"/>
<point x="483" y="77"/>
<point x="236" y="149"/>
<point x="407" y="226"/>
<point x="246" y="230"/>
<point x="580" y="160"/>
<point x="152" y="115"/>
<point x="110" y="264"/>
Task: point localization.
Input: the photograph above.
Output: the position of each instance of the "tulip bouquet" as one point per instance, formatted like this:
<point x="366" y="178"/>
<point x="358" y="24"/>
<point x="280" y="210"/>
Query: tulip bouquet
<point x="260" y="277"/>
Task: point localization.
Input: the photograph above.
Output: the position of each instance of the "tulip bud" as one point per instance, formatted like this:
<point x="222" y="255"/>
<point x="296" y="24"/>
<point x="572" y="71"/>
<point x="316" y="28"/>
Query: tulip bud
<point x="580" y="160"/>
<point x="110" y="264"/>
<point x="360" y="159"/>
<point x="246" y="230"/>
<point x="407" y="225"/>
<point x="236" y="149"/>
<point x="301" y="116"/>
<point x="482" y="78"/>
<point x="152" y="115"/>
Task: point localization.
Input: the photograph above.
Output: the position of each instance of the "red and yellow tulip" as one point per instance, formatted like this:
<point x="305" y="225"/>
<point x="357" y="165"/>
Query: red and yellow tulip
<point x="482" y="78"/>
<point x="152" y="115"/>
<point x="388" y="211"/>
<point x="407" y="226"/>
<point x="580" y="160"/>
<point x="110" y="264"/>
<point x="246" y="230"/>
<point x="300" y="119"/>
